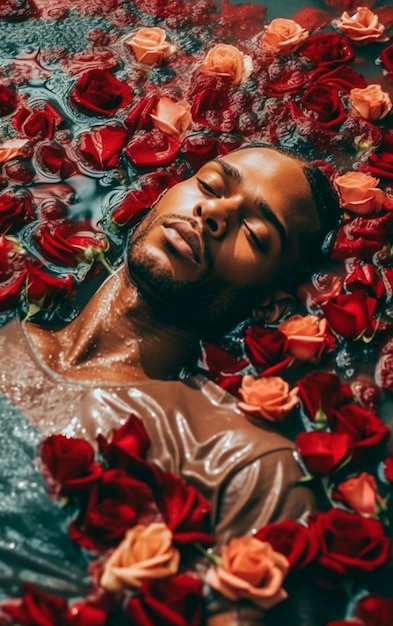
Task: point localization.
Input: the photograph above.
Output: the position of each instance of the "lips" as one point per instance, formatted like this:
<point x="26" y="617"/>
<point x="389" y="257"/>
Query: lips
<point x="184" y="239"/>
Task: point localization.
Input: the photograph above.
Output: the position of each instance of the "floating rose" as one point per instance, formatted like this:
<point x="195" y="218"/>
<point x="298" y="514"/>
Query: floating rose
<point x="322" y="452"/>
<point x="146" y="553"/>
<point x="352" y="315"/>
<point x="283" y="35"/>
<point x="362" y="27"/>
<point x="359" y="193"/>
<point x="171" y="117"/>
<point x="328" y="50"/>
<point x="375" y="610"/>
<point x="250" y="569"/>
<point x="227" y="60"/>
<point x="150" y="46"/>
<point x="268" y="397"/>
<point x="360" y="493"/>
<point x="293" y="540"/>
<point x="11" y="148"/>
<point x="98" y="92"/>
<point x="371" y="103"/>
<point x="307" y="337"/>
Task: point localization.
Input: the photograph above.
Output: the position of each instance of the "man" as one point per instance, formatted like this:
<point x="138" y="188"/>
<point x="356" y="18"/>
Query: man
<point x="214" y="248"/>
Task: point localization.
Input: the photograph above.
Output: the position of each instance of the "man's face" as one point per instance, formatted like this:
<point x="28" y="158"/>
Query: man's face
<point x="216" y="243"/>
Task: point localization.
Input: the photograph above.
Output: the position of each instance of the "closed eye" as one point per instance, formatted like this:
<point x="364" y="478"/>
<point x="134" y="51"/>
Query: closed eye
<point x="257" y="241"/>
<point x="207" y="188"/>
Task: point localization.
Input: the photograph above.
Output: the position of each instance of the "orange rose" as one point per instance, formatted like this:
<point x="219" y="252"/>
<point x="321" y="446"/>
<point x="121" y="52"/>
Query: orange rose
<point x="360" y="493"/>
<point x="359" y="193"/>
<point x="227" y="60"/>
<point x="150" y="46"/>
<point x="172" y="117"/>
<point x="283" y="35"/>
<point x="146" y="553"/>
<point x="268" y="397"/>
<point x="371" y="103"/>
<point x="11" y="149"/>
<point x="362" y="27"/>
<point x="307" y="338"/>
<point x="250" y="569"/>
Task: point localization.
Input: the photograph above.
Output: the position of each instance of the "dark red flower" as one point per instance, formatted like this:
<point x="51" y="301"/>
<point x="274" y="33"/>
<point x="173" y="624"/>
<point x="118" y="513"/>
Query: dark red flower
<point x="364" y="276"/>
<point x="8" y="100"/>
<point x="366" y="431"/>
<point x="185" y="511"/>
<point x="286" y="79"/>
<point x="128" y="442"/>
<point x="116" y="503"/>
<point x="85" y="614"/>
<point x="320" y="108"/>
<point x="19" y="171"/>
<point x="380" y="162"/>
<point x="386" y="58"/>
<point x="322" y="452"/>
<point x="328" y="49"/>
<point x="375" y="610"/>
<point x="362" y="237"/>
<point x="211" y="103"/>
<point x="38" y="123"/>
<point x="153" y="149"/>
<point x="98" y="92"/>
<point x="15" y="210"/>
<point x="173" y="601"/>
<point x="293" y="540"/>
<point x="322" y="391"/>
<point x="36" y="608"/>
<point x="388" y="468"/>
<point x="69" y="243"/>
<point x="198" y="148"/>
<point x="350" y="543"/>
<point x="101" y="147"/>
<point x="69" y="463"/>
<point x="352" y="315"/>
<point x="342" y="78"/>
<point x="265" y="348"/>
<point x="223" y="367"/>
<point x="54" y="159"/>
<point x="43" y="287"/>
<point x="139" y="116"/>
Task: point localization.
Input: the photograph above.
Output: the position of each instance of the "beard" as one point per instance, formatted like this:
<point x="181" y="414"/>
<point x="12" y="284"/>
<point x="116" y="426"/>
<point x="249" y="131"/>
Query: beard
<point x="209" y="305"/>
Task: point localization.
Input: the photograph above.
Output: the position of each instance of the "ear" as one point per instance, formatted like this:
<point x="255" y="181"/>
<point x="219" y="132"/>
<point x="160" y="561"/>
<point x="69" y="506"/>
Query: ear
<point x="272" y="308"/>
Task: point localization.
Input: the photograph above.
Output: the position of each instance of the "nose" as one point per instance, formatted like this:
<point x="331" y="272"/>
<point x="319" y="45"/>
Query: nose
<point x="217" y="214"/>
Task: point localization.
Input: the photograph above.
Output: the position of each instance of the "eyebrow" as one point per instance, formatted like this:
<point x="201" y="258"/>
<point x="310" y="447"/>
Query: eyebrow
<point x="268" y="214"/>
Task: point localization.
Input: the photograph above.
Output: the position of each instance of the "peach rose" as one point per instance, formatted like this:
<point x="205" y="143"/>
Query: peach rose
<point x="150" y="46"/>
<point x="362" y="27"/>
<point x="268" y="397"/>
<point x="307" y="337"/>
<point x="250" y="569"/>
<point x="172" y="117"/>
<point x="227" y="60"/>
<point x="145" y="553"/>
<point x="371" y="103"/>
<point x="283" y="35"/>
<point x="11" y="149"/>
<point x="359" y="193"/>
<point x="361" y="494"/>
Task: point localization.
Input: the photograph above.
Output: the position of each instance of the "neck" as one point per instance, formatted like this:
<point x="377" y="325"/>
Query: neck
<point x="118" y="337"/>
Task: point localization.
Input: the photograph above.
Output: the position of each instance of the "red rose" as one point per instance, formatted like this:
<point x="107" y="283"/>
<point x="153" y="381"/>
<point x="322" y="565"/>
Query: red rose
<point x="364" y="276"/>
<point x="98" y="92"/>
<point x="101" y="147"/>
<point x="128" y="442"/>
<point x="36" y="608"/>
<point x="19" y="171"/>
<point x="8" y="100"/>
<point x="351" y="315"/>
<point x="322" y="391"/>
<point x="85" y="614"/>
<point x="69" y="243"/>
<point x="15" y="210"/>
<point x="139" y="117"/>
<point x="43" y="287"/>
<point x="53" y="159"/>
<point x="211" y="104"/>
<point x="138" y="201"/>
<point x="293" y="540"/>
<point x="386" y="58"/>
<point x="173" y="601"/>
<point x="380" y="162"/>
<point x="375" y="610"/>
<point x="223" y="367"/>
<point x="322" y="452"/>
<point x="342" y="78"/>
<point x="70" y="463"/>
<point x="116" y="503"/>
<point x="349" y="543"/>
<point x="153" y="149"/>
<point x="185" y="511"/>
<point x="286" y="80"/>
<point x="321" y="106"/>
<point x="328" y="49"/>
<point x="198" y="148"/>
<point x="37" y="123"/>
<point x="265" y="348"/>
<point x="362" y="237"/>
<point x="388" y="468"/>
<point x="365" y="430"/>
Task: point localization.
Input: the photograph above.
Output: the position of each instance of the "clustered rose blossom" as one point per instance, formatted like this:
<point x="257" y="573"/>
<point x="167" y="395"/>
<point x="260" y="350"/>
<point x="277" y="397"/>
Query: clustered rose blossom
<point x="268" y="397"/>
<point x="150" y="46"/>
<point x="250" y="569"/>
<point x="362" y="27"/>
<point x="283" y="35"/>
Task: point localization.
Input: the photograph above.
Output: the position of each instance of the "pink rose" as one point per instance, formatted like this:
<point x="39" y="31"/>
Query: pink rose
<point x="362" y="27"/>
<point x="307" y="337"/>
<point x="171" y="117"/>
<point x="359" y="193"/>
<point x="252" y="570"/>
<point x="267" y="397"/>
<point x="371" y="103"/>
<point x="227" y="60"/>
<point x="150" y="46"/>
<point x="360" y="493"/>
<point x="146" y="553"/>
<point x="283" y="35"/>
